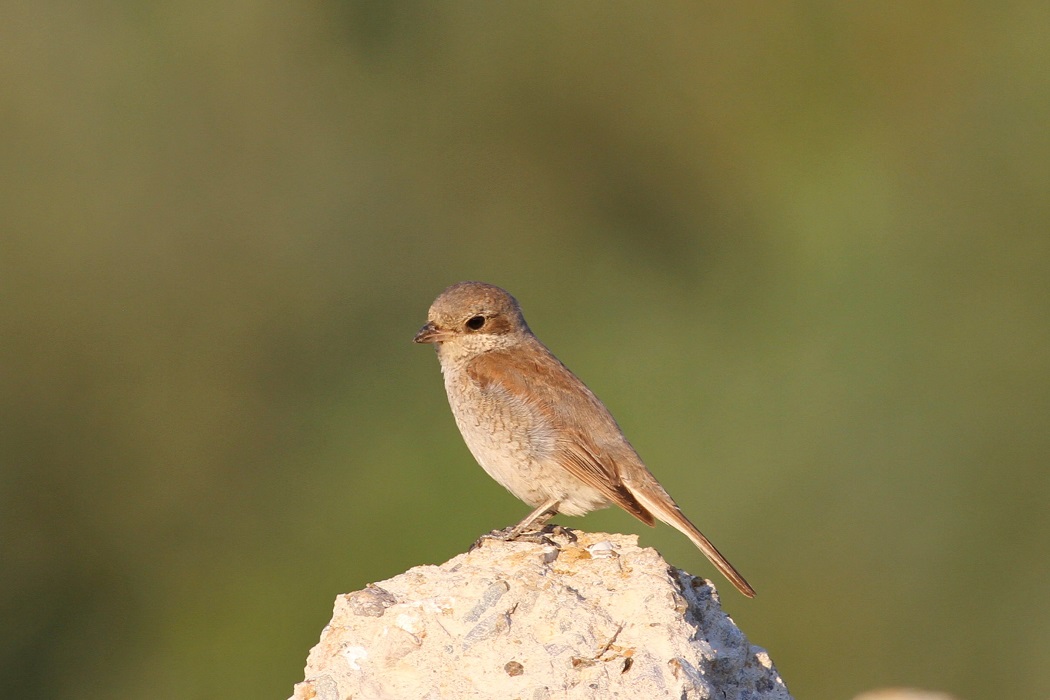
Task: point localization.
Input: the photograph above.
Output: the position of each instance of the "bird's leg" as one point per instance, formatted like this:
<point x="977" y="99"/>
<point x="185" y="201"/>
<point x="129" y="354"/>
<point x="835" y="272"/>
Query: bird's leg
<point x="529" y="529"/>
<point x="534" y="520"/>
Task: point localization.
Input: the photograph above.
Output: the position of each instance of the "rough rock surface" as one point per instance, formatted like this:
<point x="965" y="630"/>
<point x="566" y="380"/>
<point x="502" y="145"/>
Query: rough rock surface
<point x="598" y="618"/>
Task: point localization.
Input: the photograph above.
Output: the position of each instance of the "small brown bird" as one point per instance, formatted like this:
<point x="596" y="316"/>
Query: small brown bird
<point x="534" y="427"/>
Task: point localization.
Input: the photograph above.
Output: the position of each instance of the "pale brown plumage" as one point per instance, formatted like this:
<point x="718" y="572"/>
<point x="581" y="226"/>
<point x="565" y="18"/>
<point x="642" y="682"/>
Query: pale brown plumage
<point x="534" y="426"/>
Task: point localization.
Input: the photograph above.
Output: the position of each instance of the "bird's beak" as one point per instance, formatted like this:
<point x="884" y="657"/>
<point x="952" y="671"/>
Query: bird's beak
<point x="431" y="334"/>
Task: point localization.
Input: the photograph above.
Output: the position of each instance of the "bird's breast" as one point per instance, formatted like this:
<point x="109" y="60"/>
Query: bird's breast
<point x="508" y="435"/>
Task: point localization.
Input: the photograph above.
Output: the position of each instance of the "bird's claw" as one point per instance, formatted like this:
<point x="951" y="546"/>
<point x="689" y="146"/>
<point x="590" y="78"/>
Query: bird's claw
<point x="542" y="536"/>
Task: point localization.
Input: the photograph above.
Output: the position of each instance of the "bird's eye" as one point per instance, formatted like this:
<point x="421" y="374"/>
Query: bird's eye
<point x="475" y="322"/>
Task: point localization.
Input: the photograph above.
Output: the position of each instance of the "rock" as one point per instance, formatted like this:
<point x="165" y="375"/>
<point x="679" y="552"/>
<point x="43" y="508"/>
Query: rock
<point x="596" y="618"/>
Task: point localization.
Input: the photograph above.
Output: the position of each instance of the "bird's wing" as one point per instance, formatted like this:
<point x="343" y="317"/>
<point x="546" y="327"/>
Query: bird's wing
<point x="587" y="442"/>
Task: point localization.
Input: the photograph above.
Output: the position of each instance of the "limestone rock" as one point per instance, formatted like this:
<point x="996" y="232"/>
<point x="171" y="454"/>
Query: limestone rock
<point x="596" y="618"/>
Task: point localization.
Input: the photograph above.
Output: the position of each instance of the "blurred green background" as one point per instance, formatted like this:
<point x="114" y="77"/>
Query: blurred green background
<point x="800" y="250"/>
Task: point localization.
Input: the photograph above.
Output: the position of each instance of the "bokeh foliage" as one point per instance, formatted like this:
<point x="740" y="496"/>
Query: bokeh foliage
<point x="800" y="250"/>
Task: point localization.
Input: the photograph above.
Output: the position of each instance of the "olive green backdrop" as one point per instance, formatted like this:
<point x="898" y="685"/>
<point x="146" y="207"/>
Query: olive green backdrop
<point x="800" y="250"/>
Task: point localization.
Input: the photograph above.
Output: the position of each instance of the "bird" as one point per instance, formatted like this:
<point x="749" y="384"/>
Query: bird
<point x="536" y="428"/>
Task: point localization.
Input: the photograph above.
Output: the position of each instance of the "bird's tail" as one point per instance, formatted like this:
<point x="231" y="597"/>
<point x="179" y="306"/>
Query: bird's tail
<point x="663" y="507"/>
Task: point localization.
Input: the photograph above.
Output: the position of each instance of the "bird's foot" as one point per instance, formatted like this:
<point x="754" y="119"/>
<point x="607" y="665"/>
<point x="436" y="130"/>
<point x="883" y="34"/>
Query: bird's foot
<point x="512" y="534"/>
<point x="559" y="531"/>
<point x="541" y="536"/>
